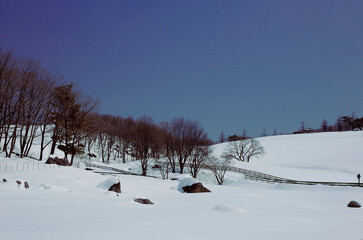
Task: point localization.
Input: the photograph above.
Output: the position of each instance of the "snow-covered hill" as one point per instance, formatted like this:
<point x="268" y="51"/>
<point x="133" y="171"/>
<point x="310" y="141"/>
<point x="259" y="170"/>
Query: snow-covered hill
<point x="334" y="156"/>
<point x="67" y="203"/>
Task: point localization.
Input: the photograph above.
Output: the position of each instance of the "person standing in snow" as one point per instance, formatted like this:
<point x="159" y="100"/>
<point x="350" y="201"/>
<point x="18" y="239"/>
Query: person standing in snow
<point x="358" y="176"/>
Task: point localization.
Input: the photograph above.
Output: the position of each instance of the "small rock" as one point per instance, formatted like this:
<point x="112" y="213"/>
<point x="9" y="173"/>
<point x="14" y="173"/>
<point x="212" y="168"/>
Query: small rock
<point x="353" y="204"/>
<point x="4" y="180"/>
<point x="89" y="169"/>
<point x="18" y="182"/>
<point x="173" y="179"/>
<point x="143" y="201"/>
<point x="26" y="184"/>
<point x="115" y="188"/>
<point x="156" y="166"/>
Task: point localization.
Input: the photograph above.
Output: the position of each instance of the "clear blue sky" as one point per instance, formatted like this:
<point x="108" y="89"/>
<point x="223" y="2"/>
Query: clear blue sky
<point x="229" y="64"/>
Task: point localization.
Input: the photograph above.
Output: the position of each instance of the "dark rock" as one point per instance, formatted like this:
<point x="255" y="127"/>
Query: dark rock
<point x="354" y="204"/>
<point x="156" y="166"/>
<point x="61" y="161"/>
<point x="4" y="180"/>
<point x="115" y="188"/>
<point x="195" y="188"/>
<point x="18" y="182"/>
<point x="50" y="161"/>
<point x="173" y="179"/>
<point x="58" y="161"/>
<point x="26" y="184"/>
<point x="92" y="155"/>
<point x="143" y="201"/>
<point x="89" y="169"/>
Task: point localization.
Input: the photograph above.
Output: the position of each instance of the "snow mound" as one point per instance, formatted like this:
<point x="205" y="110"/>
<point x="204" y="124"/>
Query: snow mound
<point x="188" y="181"/>
<point x="43" y="186"/>
<point x="108" y="183"/>
<point x="53" y="188"/>
<point x="227" y="208"/>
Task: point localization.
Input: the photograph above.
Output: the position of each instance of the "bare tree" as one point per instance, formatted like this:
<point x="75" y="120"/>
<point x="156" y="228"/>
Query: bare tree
<point x="219" y="167"/>
<point x="324" y="126"/>
<point x="244" y="150"/>
<point x="244" y="134"/>
<point x="302" y="127"/>
<point x="144" y="137"/>
<point x="222" y="137"/>
<point x="69" y="114"/>
<point x="164" y="170"/>
<point x="197" y="158"/>
<point x="275" y="132"/>
<point x="170" y="144"/>
<point x="263" y="134"/>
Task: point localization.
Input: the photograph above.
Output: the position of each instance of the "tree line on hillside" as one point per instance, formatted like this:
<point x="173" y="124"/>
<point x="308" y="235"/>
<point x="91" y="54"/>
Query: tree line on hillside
<point x="36" y="103"/>
<point x="343" y="123"/>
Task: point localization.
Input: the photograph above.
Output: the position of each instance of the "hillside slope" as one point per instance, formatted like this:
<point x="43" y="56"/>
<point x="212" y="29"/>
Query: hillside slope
<point x="336" y="156"/>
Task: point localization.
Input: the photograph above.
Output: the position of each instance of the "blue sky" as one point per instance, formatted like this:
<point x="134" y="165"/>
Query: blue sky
<point x="232" y="65"/>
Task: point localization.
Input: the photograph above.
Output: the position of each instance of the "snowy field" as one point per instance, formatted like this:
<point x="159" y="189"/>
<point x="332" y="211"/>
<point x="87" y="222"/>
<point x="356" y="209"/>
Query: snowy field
<point x="66" y="202"/>
<point x="333" y="156"/>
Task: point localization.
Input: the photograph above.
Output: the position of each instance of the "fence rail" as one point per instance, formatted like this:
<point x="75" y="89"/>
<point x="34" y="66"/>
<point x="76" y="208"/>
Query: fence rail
<point x="25" y="166"/>
<point x="258" y="176"/>
<point x="119" y="171"/>
<point x="263" y="177"/>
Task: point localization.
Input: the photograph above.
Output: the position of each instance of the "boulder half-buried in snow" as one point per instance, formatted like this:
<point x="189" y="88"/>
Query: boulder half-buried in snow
<point x="143" y="201"/>
<point x="58" y="161"/>
<point x="195" y="188"/>
<point x="111" y="184"/>
<point x="353" y="204"/>
<point x="115" y="188"/>
<point x="191" y="185"/>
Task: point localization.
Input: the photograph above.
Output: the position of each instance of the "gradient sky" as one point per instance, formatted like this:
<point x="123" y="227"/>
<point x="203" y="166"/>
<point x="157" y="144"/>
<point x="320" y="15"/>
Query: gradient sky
<point x="232" y="65"/>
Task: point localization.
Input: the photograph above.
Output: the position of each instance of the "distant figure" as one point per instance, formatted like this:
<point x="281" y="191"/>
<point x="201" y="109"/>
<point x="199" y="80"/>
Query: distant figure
<point x="358" y="176"/>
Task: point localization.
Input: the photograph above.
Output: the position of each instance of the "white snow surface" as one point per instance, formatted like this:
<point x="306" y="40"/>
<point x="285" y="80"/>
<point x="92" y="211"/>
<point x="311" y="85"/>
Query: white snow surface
<point x="70" y="203"/>
<point x="108" y="183"/>
<point x="333" y="156"/>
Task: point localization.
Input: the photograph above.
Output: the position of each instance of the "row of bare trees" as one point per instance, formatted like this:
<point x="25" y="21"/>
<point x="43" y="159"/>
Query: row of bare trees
<point x="25" y="89"/>
<point x="34" y="103"/>
<point x="180" y="141"/>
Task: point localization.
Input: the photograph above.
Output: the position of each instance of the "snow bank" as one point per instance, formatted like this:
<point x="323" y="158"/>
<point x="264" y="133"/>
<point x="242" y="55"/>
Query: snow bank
<point x="227" y="208"/>
<point x="108" y="183"/>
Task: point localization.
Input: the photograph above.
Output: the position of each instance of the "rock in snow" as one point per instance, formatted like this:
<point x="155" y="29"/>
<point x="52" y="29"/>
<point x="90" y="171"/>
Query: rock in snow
<point x="353" y="204"/>
<point x="58" y="161"/>
<point x="111" y="184"/>
<point x="115" y="188"/>
<point x="143" y="201"/>
<point x="26" y="184"/>
<point x="191" y="185"/>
